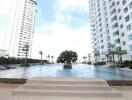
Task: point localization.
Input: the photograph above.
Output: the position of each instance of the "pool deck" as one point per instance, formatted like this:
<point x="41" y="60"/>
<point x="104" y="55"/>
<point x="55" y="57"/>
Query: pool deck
<point x="7" y="89"/>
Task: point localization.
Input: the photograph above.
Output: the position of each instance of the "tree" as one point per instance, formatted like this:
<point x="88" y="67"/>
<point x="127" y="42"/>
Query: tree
<point x="48" y="58"/>
<point x="52" y="57"/>
<point x="119" y="53"/>
<point x="41" y="53"/>
<point x="89" y="57"/>
<point x="67" y="57"/>
<point x="112" y="51"/>
<point x="96" y="54"/>
<point x="107" y="56"/>
<point x="26" y="49"/>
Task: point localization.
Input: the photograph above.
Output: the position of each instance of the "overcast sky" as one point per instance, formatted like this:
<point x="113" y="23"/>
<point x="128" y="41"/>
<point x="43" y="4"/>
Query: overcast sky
<point x="60" y="25"/>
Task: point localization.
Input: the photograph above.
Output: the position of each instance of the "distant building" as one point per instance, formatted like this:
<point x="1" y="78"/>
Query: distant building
<point x="111" y="23"/>
<point x="20" y="28"/>
<point x="3" y="53"/>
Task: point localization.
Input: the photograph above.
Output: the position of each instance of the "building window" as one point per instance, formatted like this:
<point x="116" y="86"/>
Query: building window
<point x="113" y="11"/>
<point x="130" y="46"/>
<point x="125" y="10"/>
<point x="121" y="26"/>
<point x="108" y="38"/>
<point x="101" y="30"/>
<point x="119" y="48"/>
<point x="115" y="25"/>
<point x="123" y="34"/>
<point x="130" y="37"/>
<point x="102" y="47"/>
<point x="108" y="31"/>
<point x="118" y="3"/>
<point x="117" y="41"/>
<point x="127" y="18"/>
<point x="129" y="27"/>
<point x="124" y="2"/>
<point x="124" y="43"/>
<point x="116" y="33"/>
<point x="120" y="17"/>
<point x="109" y="0"/>
<point x="130" y="5"/>
<point x="114" y="18"/>
<point x="119" y="10"/>
<point x="112" y="5"/>
<point x="131" y="14"/>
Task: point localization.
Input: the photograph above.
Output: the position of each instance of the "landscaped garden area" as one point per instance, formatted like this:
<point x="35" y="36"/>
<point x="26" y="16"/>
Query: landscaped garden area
<point x="114" y="58"/>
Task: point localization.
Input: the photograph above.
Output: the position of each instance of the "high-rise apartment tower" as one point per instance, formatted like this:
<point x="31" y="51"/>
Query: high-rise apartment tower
<point x="111" y="23"/>
<point x="20" y="27"/>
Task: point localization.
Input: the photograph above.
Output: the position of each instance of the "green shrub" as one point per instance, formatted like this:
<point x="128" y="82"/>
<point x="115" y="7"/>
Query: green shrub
<point x="89" y="63"/>
<point x="100" y="63"/>
<point x="25" y="65"/>
<point x="12" y="60"/>
<point x="127" y="63"/>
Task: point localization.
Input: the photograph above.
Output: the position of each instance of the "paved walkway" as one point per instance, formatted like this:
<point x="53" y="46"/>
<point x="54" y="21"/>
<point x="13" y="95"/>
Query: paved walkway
<point x="124" y="93"/>
<point x="66" y="89"/>
<point x="6" y="91"/>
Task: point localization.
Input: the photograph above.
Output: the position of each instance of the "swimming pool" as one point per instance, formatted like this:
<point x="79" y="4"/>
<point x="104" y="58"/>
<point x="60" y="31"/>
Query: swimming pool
<point x="78" y="71"/>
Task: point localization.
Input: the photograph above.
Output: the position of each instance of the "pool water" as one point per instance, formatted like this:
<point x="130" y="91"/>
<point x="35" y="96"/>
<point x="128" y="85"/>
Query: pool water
<point x="78" y="71"/>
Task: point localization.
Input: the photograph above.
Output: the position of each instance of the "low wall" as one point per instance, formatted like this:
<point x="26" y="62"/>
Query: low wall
<point x="110" y="82"/>
<point x="13" y="80"/>
<point x="119" y="82"/>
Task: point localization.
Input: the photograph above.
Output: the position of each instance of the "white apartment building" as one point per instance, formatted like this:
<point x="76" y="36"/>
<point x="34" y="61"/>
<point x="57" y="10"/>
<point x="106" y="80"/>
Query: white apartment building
<point x="20" y="27"/>
<point x="111" y="23"/>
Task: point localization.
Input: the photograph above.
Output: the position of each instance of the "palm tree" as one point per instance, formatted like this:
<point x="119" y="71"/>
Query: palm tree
<point x="89" y="57"/>
<point x="26" y="49"/>
<point x="107" y="56"/>
<point x="48" y="58"/>
<point x="52" y="57"/>
<point x="119" y="53"/>
<point x="96" y="54"/>
<point x="112" y="51"/>
<point x="41" y="53"/>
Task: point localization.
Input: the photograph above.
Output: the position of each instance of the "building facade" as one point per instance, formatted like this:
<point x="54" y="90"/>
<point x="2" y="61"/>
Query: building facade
<point x="111" y="23"/>
<point x="20" y="27"/>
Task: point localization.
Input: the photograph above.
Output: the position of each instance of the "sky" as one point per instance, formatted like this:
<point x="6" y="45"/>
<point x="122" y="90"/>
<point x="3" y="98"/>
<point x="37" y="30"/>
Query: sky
<point x="60" y="25"/>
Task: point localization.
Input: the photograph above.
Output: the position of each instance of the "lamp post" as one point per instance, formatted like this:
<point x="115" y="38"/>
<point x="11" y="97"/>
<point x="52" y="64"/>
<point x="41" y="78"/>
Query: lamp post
<point x="41" y="53"/>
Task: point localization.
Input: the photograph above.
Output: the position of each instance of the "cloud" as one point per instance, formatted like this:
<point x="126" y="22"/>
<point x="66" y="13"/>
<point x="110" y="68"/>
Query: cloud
<point x="69" y="30"/>
<point x="4" y="7"/>
<point x="2" y="37"/>
<point x="63" y="38"/>
<point x="74" y="13"/>
<point x="72" y="5"/>
<point x="4" y="15"/>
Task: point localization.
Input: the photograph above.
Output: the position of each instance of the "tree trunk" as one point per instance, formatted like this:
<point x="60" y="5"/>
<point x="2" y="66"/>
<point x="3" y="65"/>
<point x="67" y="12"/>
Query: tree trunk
<point x="41" y="58"/>
<point x="121" y="58"/>
<point x="113" y="59"/>
<point x="26" y="58"/>
<point x="107" y="58"/>
<point x="118" y="56"/>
